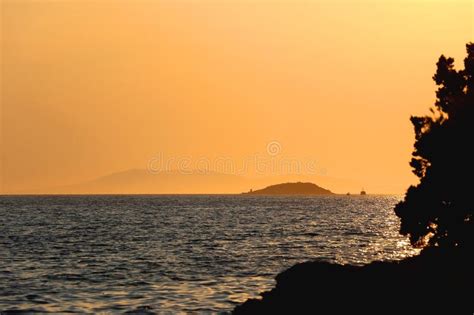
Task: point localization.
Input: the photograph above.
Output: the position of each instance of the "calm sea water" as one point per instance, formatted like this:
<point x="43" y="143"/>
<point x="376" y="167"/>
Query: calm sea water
<point x="177" y="253"/>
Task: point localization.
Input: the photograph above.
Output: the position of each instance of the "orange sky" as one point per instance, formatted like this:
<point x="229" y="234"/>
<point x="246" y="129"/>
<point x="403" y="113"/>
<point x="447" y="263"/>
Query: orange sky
<point x="96" y="87"/>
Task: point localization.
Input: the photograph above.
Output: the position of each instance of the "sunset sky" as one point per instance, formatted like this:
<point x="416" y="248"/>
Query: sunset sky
<point x="91" y="88"/>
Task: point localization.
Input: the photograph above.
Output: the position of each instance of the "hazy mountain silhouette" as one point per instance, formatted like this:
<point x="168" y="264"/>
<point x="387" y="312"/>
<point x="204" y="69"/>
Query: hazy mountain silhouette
<point x="142" y="181"/>
<point x="298" y="188"/>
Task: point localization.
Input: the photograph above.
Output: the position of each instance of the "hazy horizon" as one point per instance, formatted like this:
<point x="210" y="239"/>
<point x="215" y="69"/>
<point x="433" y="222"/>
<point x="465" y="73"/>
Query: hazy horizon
<point x="99" y="87"/>
<point x="142" y="181"/>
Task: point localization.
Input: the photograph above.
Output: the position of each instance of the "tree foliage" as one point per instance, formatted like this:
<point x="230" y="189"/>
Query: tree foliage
<point x="439" y="210"/>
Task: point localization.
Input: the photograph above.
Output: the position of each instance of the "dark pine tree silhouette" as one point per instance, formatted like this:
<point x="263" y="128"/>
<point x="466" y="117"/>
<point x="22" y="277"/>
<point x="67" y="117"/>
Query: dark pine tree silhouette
<point x="439" y="210"/>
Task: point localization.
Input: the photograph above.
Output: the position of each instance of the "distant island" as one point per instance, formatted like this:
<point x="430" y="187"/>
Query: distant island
<point x="298" y="188"/>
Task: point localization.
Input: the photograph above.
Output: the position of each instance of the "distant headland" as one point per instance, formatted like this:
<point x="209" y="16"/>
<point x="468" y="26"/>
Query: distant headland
<point x="298" y="188"/>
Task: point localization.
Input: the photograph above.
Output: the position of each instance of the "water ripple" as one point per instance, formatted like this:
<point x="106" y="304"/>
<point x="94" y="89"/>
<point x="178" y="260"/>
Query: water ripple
<point x="146" y="254"/>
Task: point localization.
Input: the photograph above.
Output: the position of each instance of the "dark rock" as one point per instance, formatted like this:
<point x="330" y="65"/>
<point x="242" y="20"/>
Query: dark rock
<point x="298" y="188"/>
<point x="436" y="281"/>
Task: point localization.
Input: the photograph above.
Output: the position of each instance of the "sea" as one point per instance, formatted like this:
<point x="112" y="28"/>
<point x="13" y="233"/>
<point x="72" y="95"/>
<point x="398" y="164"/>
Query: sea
<point x="178" y="253"/>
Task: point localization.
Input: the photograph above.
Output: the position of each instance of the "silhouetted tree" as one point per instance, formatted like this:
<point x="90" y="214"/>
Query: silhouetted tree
<point x="439" y="210"/>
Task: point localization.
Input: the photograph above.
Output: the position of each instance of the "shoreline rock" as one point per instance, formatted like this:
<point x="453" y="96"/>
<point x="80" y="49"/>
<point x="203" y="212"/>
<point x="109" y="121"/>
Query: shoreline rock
<point x="436" y="281"/>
